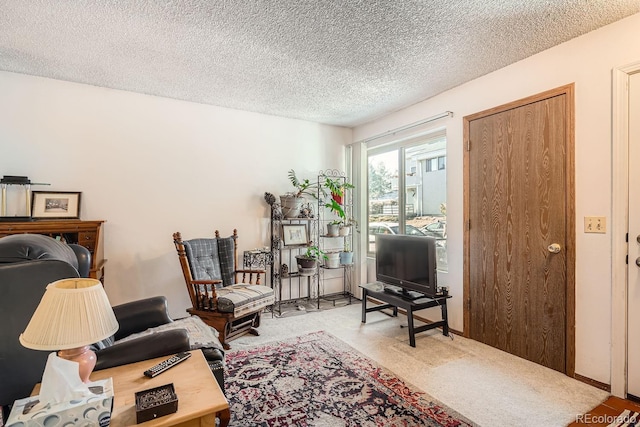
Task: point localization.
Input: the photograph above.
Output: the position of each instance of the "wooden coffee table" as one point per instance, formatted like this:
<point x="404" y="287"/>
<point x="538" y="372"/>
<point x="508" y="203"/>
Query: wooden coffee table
<point x="200" y="399"/>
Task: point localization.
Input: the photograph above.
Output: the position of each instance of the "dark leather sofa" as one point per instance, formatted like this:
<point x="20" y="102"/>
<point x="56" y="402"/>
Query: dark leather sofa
<point x="28" y="263"/>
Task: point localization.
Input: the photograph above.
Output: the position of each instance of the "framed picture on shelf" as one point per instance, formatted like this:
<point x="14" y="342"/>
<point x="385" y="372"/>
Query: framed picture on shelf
<point x="55" y="204"/>
<point x="295" y="234"/>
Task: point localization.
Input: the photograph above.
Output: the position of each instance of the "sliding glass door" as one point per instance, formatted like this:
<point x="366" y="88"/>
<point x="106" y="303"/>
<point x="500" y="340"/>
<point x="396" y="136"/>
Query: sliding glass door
<point x="407" y="191"/>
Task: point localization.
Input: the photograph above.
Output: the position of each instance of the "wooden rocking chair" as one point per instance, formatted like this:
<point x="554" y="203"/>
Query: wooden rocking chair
<point x="230" y="300"/>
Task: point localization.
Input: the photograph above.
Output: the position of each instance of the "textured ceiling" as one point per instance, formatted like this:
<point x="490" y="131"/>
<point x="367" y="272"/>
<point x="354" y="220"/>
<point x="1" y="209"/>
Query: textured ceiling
<point x="336" y="62"/>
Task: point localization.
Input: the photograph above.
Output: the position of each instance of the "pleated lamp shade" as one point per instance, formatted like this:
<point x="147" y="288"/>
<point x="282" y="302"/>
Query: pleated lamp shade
<point x="72" y="313"/>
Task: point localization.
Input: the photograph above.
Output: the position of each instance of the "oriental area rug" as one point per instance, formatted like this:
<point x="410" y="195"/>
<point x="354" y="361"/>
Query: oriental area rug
<point x="318" y="380"/>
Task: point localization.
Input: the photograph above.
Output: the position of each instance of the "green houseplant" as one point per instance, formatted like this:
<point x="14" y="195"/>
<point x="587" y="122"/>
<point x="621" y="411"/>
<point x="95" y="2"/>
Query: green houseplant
<point x="337" y="187"/>
<point x="333" y="227"/>
<point x="336" y="208"/>
<point x="309" y="260"/>
<point x="303" y="186"/>
<point x="292" y="201"/>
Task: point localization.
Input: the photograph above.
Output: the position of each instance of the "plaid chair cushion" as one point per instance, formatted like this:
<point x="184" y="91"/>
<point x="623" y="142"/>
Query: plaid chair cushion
<point x="203" y="259"/>
<point x="227" y="263"/>
<point x="241" y="299"/>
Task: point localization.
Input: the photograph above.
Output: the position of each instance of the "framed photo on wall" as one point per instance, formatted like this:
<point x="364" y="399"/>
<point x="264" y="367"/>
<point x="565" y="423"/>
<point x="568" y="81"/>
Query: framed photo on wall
<point x="295" y="234"/>
<point x="55" y="204"/>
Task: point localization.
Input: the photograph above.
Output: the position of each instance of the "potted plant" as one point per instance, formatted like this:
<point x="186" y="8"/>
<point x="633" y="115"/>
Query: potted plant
<point x="333" y="227"/>
<point x="333" y="259"/>
<point x="292" y="201"/>
<point x="345" y="226"/>
<point x="337" y="187"/>
<point x="346" y="256"/>
<point x="309" y="260"/>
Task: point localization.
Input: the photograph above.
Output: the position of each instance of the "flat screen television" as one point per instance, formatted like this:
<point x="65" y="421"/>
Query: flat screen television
<point x="407" y="262"/>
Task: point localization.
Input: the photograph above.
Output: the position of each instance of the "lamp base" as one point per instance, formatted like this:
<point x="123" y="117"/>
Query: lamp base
<point x="84" y="356"/>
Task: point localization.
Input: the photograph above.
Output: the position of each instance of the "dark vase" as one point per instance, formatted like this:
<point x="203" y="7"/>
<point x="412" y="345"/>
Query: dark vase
<point x="304" y="262"/>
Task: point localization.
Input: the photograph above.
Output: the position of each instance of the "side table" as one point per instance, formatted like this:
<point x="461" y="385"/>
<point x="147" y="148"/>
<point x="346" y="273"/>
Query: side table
<point x="257" y="258"/>
<point x="376" y="290"/>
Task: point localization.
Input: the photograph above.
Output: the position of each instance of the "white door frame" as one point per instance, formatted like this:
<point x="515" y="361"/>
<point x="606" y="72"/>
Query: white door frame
<point x="619" y="229"/>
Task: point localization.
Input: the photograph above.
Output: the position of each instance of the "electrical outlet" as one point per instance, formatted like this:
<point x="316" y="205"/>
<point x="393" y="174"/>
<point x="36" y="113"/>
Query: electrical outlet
<point x="595" y="224"/>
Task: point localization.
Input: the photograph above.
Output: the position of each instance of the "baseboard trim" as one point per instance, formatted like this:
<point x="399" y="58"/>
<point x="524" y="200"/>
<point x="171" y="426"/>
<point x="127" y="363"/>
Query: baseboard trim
<point x="634" y="399"/>
<point x="594" y="383"/>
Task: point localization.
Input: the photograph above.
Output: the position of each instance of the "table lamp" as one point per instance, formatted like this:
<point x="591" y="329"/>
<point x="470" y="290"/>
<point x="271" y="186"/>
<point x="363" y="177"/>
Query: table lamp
<point x="72" y="314"/>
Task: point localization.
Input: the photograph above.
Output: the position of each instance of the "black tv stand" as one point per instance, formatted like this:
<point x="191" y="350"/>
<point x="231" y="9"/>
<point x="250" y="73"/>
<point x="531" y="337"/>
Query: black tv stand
<point x="403" y="293"/>
<point x="378" y="291"/>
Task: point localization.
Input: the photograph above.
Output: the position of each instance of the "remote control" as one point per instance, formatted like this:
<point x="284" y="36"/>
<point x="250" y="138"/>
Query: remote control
<point x="166" y="364"/>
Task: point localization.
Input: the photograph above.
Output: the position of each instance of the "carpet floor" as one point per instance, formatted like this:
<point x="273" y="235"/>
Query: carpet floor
<point x="318" y="380"/>
<point x="485" y="385"/>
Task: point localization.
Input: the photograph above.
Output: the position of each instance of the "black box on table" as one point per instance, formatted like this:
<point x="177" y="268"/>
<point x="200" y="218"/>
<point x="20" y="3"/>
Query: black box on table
<point x="156" y="402"/>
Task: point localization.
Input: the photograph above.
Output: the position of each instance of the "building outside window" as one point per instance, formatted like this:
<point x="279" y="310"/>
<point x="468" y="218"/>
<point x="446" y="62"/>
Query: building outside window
<point x="435" y="164"/>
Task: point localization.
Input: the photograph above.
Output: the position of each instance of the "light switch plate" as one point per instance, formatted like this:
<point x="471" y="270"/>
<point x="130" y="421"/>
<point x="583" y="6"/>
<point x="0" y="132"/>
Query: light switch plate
<point x="595" y="224"/>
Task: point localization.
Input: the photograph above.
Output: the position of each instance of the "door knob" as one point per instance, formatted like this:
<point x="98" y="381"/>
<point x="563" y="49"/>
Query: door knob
<point x="638" y="262"/>
<point x="554" y="248"/>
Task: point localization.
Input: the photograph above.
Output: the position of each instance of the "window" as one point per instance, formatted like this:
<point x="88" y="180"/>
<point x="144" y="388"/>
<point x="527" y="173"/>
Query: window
<point x="435" y="163"/>
<point x="402" y="197"/>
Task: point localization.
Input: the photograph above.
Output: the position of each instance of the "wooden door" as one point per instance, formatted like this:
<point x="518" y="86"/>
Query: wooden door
<point x="519" y="237"/>
<point x="633" y="273"/>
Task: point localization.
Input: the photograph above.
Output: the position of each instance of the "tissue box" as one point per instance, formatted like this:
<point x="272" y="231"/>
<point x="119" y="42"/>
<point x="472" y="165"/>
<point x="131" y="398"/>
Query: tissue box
<point x="92" y="410"/>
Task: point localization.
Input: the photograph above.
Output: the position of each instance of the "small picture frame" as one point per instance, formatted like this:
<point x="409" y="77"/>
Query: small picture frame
<point x="295" y="234"/>
<point x="55" y="204"/>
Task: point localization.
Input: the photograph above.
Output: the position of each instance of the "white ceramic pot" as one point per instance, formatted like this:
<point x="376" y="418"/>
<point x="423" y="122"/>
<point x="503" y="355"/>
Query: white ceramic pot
<point x="291" y="205"/>
<point x="333" y="260"/>
<point x="333" y="230"/>
<point x="345" y="230"/>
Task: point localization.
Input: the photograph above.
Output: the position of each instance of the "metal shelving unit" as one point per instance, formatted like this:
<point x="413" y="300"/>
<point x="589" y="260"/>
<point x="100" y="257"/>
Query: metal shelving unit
<point x="292" y="287"/>
<point x="297" y="288"/>
<point x="329" y="243"/>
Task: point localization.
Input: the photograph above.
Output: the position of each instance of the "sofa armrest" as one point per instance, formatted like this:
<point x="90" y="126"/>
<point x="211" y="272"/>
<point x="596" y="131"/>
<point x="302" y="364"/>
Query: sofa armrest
<point x="140" y="315"/>
<point x="212" y="353"/>
<point x="84" y="259"/>
<point x="144" y="348"/>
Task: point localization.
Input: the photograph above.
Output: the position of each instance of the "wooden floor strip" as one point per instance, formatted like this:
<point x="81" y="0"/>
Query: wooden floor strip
<point x="605" y="413"/>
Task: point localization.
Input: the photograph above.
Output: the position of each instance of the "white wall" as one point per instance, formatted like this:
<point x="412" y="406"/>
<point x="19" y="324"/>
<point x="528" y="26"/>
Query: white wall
<point x="587" y="61"/>
<point x="151" y="166"/>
